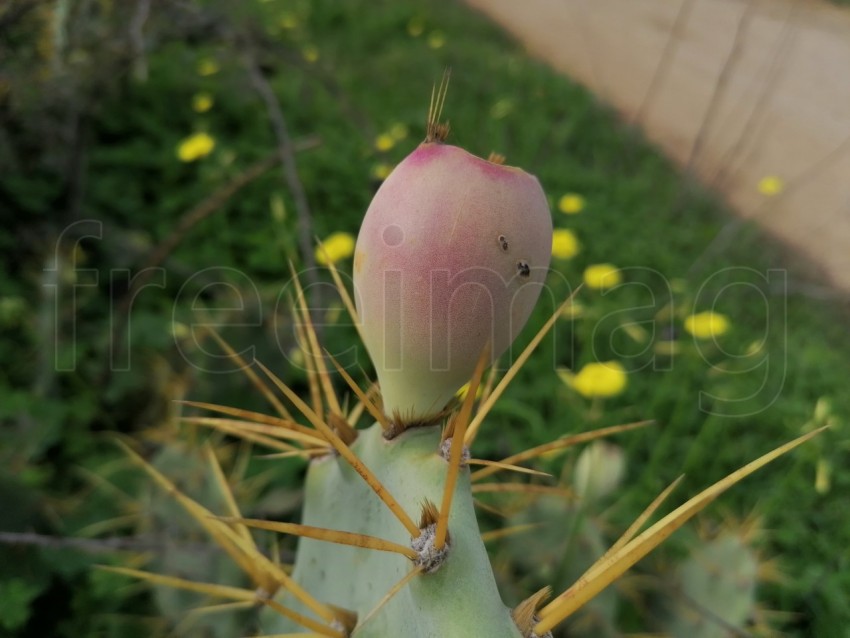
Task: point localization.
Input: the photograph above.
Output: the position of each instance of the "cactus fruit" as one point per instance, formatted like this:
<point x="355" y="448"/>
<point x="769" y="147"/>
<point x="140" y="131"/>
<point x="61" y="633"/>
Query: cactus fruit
<point x="449" y="262"/>
<point x="452" y="254"/>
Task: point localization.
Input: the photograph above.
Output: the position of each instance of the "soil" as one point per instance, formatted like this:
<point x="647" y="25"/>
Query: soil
<point x="733" y="90"/>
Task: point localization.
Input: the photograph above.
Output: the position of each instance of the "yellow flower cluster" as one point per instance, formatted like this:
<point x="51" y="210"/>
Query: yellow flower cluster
<point x="195" y="147"/>
<point x="385" y="141"/>
<point x="602" y="276"/>
<point x="565" y="244"/>
<point x="336" y="247"/>
<point x="771" y="185"/>
<point x="707" y="325"/>
<point x="597" y="380"/>
<point x="571" y="203"/>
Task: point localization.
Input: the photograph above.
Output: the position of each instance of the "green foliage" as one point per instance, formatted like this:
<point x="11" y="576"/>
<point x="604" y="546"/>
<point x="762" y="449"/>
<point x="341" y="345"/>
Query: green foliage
<point x="15" y="598"/>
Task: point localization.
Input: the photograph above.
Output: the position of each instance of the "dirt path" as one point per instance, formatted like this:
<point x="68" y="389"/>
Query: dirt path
<point x="735" y="89"/>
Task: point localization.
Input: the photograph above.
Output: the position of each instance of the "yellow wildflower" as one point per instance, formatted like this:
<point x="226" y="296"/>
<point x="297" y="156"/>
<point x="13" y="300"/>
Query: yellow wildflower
<point x="202" y="102"/>
<point x="771" y="185"/>
<point x="310" y="53"/>
<point x="382" y="171"/>
<point x="384" y="142"/>
<point x="195" y="147"/>
<point x="335" y="247"/>
<point x="602" y="276"/>
<point x="707" y="325"/>
<point x="436" y="40"/>
<point x="207" y="66"/>
<point x="571" y="203"/>
<point x="565" y="244"/>
<point x="597" y="380"/>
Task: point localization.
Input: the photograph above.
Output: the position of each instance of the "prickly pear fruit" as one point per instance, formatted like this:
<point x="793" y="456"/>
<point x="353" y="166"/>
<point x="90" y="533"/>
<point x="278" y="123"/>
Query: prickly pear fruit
<point x="452" y="254"/>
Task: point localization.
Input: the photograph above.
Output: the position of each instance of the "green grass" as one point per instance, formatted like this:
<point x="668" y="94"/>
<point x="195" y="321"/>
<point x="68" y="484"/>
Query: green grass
<point x="371" y="74"/>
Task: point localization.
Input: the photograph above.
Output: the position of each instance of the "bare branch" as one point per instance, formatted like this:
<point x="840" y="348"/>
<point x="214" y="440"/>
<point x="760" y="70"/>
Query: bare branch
<point x="137" y="38"/>
<point x="109" y="545"/>
<point x="97" y="545"/>
<point x="286" y="151"/>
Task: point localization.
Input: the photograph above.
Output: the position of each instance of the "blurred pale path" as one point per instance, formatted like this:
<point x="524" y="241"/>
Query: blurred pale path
<point x="735" y="90"/>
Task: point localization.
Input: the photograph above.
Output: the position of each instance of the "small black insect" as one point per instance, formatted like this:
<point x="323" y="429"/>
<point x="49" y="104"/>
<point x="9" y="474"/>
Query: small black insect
<point x="503" y="243"/>
<point x="523" y="268"/>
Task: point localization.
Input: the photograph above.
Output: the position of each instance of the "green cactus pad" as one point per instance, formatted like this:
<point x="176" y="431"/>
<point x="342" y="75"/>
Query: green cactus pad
<point x="460" y="599"/>
<point x="716" y="589"/>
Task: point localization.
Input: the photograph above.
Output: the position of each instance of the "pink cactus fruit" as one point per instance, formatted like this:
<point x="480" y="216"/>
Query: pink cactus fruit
<point x="452" y="253"/>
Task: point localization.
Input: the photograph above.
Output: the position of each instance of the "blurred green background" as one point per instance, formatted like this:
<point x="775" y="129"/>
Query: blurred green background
<point x="142" y="197"/>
